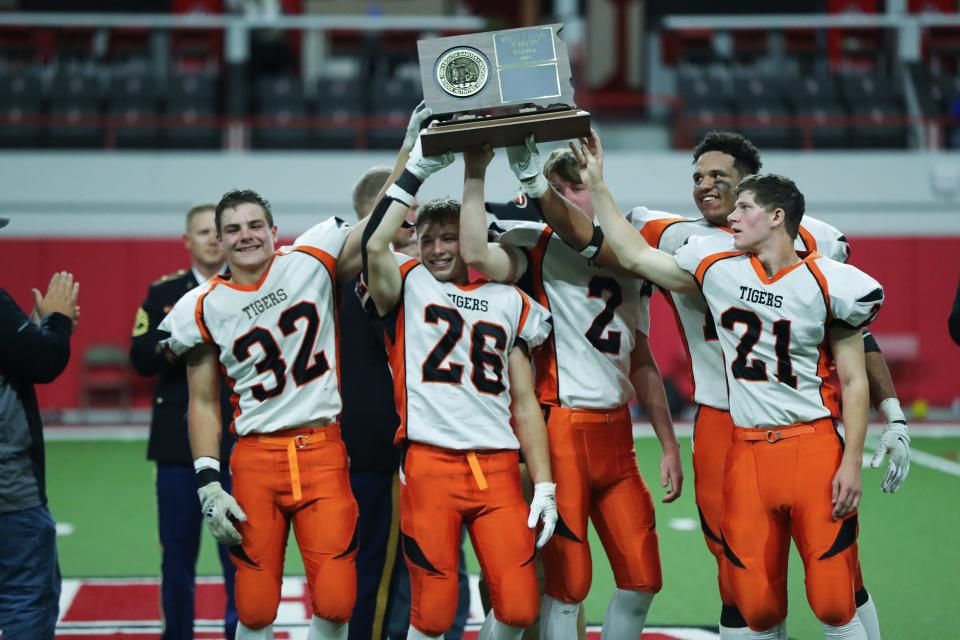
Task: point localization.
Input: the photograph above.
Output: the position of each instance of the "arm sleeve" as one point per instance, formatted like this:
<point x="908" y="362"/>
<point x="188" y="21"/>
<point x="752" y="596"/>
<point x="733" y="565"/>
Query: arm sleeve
<point x="183" y="323"/>
<point x="691" y="254"/>
<point x="36" y="352"/>
<point x="146" y="353"/>
<point x="953" y="322"/>
<point x="535" y="323"/>
<point x="328" y="236"/>
<point x="855" y="298"/>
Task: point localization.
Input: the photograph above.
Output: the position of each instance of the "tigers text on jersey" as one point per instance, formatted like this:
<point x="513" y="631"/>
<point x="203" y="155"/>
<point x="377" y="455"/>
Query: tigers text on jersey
<point x="586" y="362"/>
<point x="277" y="338"/>
<point x="669" y="232"/>
<point x="448" y="346"/>
<point x="773" y="330"/>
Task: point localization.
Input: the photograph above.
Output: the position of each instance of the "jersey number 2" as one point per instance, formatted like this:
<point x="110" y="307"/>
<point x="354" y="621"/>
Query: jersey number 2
<point x="480" y="358"/>
<point x="303" y="370"/>
<point x="595" y="288"/>
<point x="746" y="368"/>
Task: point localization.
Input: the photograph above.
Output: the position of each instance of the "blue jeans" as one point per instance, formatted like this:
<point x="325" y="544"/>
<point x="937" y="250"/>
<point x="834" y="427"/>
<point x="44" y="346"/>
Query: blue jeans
<point x="29" y="575"/>
<point x="181" y="525"/>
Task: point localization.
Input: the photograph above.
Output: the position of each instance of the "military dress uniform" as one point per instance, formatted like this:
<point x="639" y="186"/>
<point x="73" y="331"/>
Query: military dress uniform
<point x="178" y="507"/>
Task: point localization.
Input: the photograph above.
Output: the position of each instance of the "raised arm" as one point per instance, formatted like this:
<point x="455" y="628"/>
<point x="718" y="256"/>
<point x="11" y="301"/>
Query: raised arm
<point x="381" y="271"/>
<point x="566" y="219"/>
<point x="532" y="434"/>
<point x="350" y="261"/>
<point x="847" y="346"/>
<point x="631" y="249"/>
<point x="646" y="379"/>
<point x="39" y="352"/>
<point x="489" y="258"/>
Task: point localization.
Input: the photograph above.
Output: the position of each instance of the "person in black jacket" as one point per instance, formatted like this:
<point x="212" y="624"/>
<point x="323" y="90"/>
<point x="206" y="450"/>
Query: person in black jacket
<point x="31" y="352"/>
<point x="178" y="507"/>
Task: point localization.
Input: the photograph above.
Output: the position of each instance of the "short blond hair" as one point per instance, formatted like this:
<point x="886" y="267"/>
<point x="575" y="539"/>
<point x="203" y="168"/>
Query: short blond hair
<point x="199" y="208"/>
<point x="562" y="163"/>
<point x="367" y="188"/>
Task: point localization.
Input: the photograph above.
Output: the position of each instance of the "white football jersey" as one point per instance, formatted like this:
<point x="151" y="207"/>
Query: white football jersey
<point x="277" y="338"/>
<point x="448" y="346"/>
<point x="669" y="232"/>
<point x="773" y="331"/>
<point x="586" y="362"/>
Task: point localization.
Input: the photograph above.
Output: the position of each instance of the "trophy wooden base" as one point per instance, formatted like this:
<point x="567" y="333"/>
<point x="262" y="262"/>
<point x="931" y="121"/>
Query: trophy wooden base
<point x="505" y="131"/>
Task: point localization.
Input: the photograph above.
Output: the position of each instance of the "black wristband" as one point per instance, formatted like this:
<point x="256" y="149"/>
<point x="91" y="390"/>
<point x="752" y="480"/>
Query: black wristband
<point x="870" y="343"/>
<point x="207" y="475"/>
<point x="594" y="245"/>
<point x="409" y="182"/>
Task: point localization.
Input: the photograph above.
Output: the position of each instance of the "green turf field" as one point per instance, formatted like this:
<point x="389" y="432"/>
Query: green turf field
<point x="910" y="559"/>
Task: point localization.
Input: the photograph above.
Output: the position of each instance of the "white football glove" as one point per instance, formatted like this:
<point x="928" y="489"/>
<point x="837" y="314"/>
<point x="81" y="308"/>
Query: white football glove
<point x="218" y="506"/>
<point x="895" y="443"/>
<point x="424" y="167"/>
<point x="417" y="118"/>
<point x="527" y="166"/>
<point x="543" y="507"/>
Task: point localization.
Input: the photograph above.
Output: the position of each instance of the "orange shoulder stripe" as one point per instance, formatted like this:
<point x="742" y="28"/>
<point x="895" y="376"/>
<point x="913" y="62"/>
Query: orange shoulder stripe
<point x="325" y="258"/>
<point x="809" y="242"/>
<point x="653" y="230"/>
<point x="524" y="310"/>
<point x="710" y="260"/>
<point x="198" y="315"/>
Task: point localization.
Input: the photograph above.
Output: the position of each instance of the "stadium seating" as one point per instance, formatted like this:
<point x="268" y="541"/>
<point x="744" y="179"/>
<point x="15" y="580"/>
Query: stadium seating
<point x="134" y="111"/>
<point x="21" y="106"/>
<point x="339" y="102"/>
<point x="75" y="109"/>
<point x="280" y="104"/>
<point x="192" y="112"/>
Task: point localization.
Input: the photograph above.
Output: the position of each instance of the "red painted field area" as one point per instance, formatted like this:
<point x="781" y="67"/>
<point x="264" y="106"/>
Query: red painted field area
<point x="98" y="609"/>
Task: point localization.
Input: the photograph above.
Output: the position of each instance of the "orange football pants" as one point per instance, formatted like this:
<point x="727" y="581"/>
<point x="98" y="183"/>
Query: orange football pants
<point x="298" y="476"/>
<point x="442" y="490"/>
<point x="712" y="440"/>
<point x="595" y="467"/>
<point x="777" y="486"/>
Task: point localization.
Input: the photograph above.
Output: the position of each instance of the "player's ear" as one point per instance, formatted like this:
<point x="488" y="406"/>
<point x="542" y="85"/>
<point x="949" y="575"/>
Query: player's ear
<point x="779" y="217"/>
<point x="273" y="231"/>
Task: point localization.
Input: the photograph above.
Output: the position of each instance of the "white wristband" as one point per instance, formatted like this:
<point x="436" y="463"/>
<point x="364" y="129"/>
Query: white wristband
<point x="206" y="462"/>
<point x="395" y="192"/>
<point x="891" y="411"/>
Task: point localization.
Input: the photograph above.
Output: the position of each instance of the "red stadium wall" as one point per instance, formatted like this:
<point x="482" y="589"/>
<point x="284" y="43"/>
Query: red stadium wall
<point x="919" y="275"/>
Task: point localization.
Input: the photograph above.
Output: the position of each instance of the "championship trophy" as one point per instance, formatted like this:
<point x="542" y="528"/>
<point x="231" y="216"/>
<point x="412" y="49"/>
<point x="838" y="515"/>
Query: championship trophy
<point x="498" y="87"/>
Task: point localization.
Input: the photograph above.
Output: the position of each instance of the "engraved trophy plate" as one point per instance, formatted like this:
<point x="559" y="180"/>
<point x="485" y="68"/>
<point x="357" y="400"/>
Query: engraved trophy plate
<point x="497" y="87"/>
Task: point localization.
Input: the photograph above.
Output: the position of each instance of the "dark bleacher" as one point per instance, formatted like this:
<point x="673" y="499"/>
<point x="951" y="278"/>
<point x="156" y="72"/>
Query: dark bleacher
<point x="794" y="108"/>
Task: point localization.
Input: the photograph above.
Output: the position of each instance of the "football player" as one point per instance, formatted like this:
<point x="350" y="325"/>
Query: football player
<point x="270" y="330"/>
<point x="459" y="354"/>
<point x="783" y="319"/>
<point x="596" y="361"/>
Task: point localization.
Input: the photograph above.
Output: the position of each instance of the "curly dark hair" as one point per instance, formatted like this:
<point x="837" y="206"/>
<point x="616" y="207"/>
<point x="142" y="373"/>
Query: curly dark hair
<point x="231" y="199"/>
<point x="772" y="191"/>
<point x="746" y="156"/>
<point x="438" y="210"/>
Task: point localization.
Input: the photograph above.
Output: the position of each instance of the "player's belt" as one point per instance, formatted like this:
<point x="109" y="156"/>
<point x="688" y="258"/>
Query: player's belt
<point x="604" y="416"/>
<point x="293" y="439"/>
<point x="774" y="435"/>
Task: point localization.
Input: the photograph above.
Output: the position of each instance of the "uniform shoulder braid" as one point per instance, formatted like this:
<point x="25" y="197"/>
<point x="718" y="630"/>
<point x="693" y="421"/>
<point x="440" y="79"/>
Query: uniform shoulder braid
<point x="176" y="275"/>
